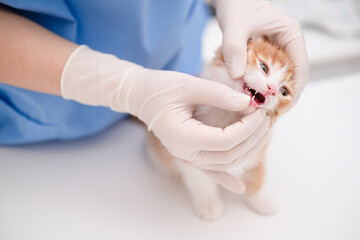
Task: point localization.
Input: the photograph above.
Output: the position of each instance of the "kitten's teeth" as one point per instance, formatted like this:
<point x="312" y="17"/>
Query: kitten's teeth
<point x="255" y="92"/>
<point x="253" y="97"/>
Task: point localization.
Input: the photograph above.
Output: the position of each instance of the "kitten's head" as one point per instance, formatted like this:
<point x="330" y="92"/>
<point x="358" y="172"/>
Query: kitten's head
<point x="267" y="80"/>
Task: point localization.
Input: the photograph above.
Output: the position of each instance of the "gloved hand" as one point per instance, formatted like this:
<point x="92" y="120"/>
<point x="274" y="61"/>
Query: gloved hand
<point x="240" y="20"/>
<point x="164" y="101"/>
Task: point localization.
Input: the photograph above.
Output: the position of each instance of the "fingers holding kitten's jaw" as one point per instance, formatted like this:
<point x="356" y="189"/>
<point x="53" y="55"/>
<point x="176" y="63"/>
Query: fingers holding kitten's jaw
<point x="204" y="92"/>
<point x="292" y="39"/>
<point x="297" y="52"/>
<point x="213" y="139"/>
<point x="248" y="155"/>
<point x="296" y="49"/>
<point x="228" y="157"/>
<point x="235" y="52"/>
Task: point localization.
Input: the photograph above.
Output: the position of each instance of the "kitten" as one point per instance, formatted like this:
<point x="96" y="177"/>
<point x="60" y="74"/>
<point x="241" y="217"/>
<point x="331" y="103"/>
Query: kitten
<point x="268" y="81"/>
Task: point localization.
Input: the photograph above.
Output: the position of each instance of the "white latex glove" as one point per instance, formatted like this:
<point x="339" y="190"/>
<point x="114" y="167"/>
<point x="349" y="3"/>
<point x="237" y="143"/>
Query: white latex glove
<point x="240" y="20"/>
<point x="164" y="101"/>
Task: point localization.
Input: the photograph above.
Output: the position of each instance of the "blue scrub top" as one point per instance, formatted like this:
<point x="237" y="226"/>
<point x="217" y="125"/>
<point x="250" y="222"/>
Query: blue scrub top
<point x="158" y="34"/>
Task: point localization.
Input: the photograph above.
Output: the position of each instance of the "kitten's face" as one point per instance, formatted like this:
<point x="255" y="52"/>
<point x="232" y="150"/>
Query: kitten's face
<point x="267" y="79"/>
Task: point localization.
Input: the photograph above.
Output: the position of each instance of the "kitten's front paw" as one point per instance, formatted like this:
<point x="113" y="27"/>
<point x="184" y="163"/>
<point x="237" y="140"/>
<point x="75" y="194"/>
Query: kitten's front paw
<point x="209" y="210"/>
<point x="263" y="203"/>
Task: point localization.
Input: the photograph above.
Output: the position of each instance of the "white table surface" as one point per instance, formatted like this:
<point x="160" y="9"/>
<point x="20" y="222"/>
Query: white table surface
<point x="104" y="187"/>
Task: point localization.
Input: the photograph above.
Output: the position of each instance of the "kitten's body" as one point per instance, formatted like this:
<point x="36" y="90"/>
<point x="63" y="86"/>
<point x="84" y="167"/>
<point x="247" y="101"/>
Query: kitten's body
<point x="204" y="190"/>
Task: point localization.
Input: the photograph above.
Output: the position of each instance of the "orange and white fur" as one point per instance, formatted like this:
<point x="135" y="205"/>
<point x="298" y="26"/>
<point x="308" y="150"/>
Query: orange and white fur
<point x="268" y="80"/>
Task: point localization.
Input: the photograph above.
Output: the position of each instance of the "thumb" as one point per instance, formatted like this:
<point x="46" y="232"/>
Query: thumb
<point x="235" y="53"/>
<point x="297" y="52"/>
<point x="210" y="93"/>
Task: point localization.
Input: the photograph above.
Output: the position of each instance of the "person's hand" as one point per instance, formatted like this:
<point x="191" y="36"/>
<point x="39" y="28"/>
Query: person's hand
<point x="165" y="101"/>
<point x="240" y="20"/>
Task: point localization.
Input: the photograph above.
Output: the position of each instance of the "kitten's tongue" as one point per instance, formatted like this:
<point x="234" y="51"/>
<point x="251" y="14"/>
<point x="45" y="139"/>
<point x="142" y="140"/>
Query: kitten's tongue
<point x="258" y="97"/>
<point x="253" y="103"/>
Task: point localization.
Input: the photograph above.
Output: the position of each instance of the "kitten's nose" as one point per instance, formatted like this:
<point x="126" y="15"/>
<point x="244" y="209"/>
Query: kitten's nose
<point x="272" y="89"/>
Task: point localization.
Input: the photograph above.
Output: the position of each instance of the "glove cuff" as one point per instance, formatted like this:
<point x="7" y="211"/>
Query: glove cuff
<point x="94" y="78"/>
<point x="65" y="70"/>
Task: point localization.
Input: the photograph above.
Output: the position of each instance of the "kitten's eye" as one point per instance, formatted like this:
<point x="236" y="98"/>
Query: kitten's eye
<point x="264" y="67"/>
<point x="284" y="91"/>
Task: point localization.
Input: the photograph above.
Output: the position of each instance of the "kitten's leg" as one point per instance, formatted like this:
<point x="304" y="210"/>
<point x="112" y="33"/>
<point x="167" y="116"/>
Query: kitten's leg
<point x="257" y="196"/>
<point x="203" y="191"/>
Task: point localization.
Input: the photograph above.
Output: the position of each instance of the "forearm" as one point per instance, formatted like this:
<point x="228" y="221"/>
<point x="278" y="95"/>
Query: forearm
<point x="31" y="57"/>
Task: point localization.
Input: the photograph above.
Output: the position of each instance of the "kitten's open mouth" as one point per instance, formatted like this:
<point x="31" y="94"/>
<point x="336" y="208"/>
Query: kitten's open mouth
<point x="255" y="95"/>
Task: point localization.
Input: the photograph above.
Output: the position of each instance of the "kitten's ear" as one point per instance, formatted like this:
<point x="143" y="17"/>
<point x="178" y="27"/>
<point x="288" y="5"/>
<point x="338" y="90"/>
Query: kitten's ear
<point x="218" y="59"/>
<point x="266" y="38"/>
<point x="250" y="51"/>
<point x="272" y="40"/>
<point x="263" y="37"/>
<point x="251" y="40"/>
<point x="219" y="53"/>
